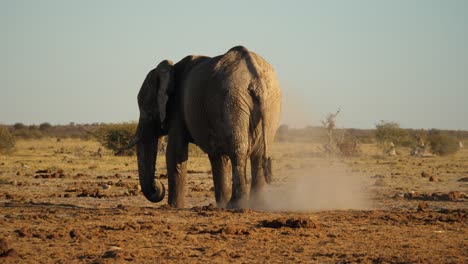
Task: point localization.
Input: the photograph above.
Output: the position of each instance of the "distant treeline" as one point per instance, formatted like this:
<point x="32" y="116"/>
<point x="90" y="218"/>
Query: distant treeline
<point x="320" y="135"/>
<point x="72" y="130"/>
<point x="284" y="133"/>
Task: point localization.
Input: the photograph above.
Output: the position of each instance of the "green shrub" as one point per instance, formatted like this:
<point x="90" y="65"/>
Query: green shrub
<point x="28" y="133"/>
<point x="7" y="140"/>
<point x="387" y="131"/>
<point x="19" y="126"/>
<point x="116" y="136"/>
<point x="441" y="143"/>
<point x="45" y="126"/>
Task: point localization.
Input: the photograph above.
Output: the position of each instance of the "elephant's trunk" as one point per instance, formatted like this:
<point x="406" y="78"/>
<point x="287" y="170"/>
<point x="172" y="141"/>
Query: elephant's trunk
<point x="147" y="145"/>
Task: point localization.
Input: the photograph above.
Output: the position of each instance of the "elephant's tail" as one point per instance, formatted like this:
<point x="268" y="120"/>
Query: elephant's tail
<point x="266" y="155"/>
<point x="258" y="92"/>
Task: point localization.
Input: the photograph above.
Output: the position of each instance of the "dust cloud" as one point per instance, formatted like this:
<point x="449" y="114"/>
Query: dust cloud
<point x="315" y="190"/>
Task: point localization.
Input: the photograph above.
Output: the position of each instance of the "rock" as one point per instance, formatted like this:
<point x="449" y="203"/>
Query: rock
<point x="20" y="173"/>
<point x="24" y="232"/>
<point x="380" y="182"/>
<point x="425" y="174"/>
<point x="455" y="196"/>
<point x="232" y="230"/>
<point x="105" y="186"/>
<point x="76" y="233"/>
<point x="113" y="252"/>
<point x="291" y="223"/>
<point x="464" y="179"/>
<point x="422" y="207"/>
<point x="434" y="179"/>
<point x="3" y="246"/>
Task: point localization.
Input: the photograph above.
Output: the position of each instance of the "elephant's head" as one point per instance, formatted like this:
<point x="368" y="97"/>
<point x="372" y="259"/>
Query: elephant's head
<point x="152" y="102"/>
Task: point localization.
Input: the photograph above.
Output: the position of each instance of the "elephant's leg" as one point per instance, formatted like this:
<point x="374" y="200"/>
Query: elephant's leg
<point x="258" y="182"/>
<point x="239" y="197"/>
<point x="176" y="162"/>
<point x="221" y="167"/>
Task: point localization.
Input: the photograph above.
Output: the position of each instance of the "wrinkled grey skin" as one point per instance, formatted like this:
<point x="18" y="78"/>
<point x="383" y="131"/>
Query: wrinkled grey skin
<point x="228" y="105"/>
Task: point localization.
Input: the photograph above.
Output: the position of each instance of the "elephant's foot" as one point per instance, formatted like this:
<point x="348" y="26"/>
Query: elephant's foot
<point x="221" y="204"/>
<point x="240" y="203"/>
<point x="258" y="201"/>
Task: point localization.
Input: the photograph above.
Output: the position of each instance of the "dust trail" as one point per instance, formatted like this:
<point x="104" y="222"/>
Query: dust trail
<point x="315" y="189"/>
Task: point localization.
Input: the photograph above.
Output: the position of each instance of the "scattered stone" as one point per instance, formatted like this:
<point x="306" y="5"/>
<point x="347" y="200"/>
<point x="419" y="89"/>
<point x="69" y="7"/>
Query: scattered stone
<point x="291" y="223"/>
<point x="231" y="230"/>
<point x="197" y="189"/>
<point x="454" y="196"/>
<point x="222" y="253"/>
<point x="380" y="182"/>
<point x="422" y="207"/>
<point x="3" y="246"/>
<point x="434" y="179"/>
<point x="76" y="233"/>
<point x="23" y="232"/>
<point x="112" y="252"/>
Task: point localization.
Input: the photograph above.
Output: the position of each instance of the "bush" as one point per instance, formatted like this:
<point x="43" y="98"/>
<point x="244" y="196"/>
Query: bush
<point x="19" y="126"/>
<point x="441" y="143"/>
<point x="28" y="133"/>
<point x="348" y="146"/>
<point x="387" y="131"/>
<point x="116" y="136"/>
<point x="45" y="126"/>
<point x="281" y="133"/>
<point x="7" y="140"/>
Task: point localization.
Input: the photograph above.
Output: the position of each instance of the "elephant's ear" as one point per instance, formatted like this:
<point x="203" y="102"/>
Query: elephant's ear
<point x="166" y="87"/>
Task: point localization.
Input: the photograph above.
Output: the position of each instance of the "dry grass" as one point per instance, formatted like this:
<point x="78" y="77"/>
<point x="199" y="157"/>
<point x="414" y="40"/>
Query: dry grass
<point x="43" y="213"/>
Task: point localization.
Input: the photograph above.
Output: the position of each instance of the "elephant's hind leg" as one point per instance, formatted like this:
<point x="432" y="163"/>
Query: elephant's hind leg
<point x="221" y="168"/>
<point x="258" y="182"/>
<point x="239" y="197"/>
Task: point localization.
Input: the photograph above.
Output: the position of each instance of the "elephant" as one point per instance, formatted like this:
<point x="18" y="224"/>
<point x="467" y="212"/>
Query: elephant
<point x="228" y="105"/>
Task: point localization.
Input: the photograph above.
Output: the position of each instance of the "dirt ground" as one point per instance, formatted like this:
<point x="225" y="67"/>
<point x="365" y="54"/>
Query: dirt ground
<point x="62" y="203"/>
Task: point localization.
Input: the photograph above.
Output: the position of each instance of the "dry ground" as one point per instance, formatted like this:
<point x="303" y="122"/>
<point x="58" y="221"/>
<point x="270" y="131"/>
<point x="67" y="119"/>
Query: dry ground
<point x="61" y="203"/>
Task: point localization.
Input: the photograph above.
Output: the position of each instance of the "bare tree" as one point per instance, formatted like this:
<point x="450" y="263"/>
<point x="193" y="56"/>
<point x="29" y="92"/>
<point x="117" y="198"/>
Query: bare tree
<point x="330" y="124"/>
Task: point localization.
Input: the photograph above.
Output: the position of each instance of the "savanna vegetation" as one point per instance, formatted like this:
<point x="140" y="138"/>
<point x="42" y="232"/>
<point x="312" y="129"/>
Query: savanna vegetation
<point x="116" y="136"/>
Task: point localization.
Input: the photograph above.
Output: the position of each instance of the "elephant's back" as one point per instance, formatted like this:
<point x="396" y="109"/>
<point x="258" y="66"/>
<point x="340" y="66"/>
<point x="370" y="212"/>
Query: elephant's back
<point x="221" y="99"/>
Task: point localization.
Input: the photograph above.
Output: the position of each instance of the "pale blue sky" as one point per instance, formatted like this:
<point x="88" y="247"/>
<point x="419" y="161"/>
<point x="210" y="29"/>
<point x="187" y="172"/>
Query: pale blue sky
<point x="84" y="61"/>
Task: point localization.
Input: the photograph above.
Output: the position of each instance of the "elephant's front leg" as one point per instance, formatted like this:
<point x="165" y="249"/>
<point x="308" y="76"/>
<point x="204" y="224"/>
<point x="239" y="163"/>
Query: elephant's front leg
<point x="176" y="163"/>
<point x="221" y="168"/>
